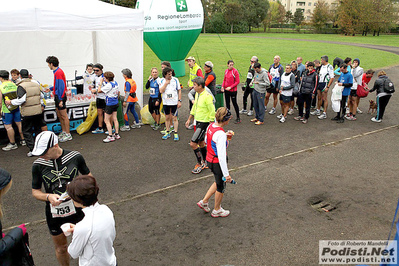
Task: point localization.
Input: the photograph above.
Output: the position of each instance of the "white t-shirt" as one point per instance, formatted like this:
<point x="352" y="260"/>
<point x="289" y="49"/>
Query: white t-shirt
<point x="326" y="73"/>
<point x="171" y="96"/>
<point x="88" y="81"/>
<point x="94" y="236"/>
<point x="97" y="79"/>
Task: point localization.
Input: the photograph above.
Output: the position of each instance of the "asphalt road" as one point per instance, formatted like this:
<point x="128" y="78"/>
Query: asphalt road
<point x="280" y="169"/>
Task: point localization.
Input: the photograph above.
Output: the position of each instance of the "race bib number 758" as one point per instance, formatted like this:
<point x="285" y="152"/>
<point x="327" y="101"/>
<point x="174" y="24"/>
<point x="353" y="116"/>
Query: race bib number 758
<point x="63" y="210"/>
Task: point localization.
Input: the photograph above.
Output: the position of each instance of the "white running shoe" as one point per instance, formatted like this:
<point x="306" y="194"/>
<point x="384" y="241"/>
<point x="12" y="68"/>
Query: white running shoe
<point x="250" y="112"/>
<point x="243" y="111"/>
<point x="316" y="112"/>
<point x="322" y="116"/>
<point x="220" y="213"/>
<point x="136" y="125"/>
<point x="282" y="120"/>
<point x="203" y="206"/>
<point x="10" y="147"/>
<point x="291" y="112"/>
<point x="375" y="120"/>
<point x="125" y="128"/>
<point x="109" y="139"/>
<point x="359" y="111"/>
<point x="29" y="154"/>
<point x="273" y="111"/>
<point x="279" y="116"/>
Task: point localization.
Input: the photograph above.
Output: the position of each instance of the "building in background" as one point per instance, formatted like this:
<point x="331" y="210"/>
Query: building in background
<point x="307" y="6"/>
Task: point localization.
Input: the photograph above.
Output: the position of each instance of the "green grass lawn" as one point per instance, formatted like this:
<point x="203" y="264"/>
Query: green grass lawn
<point x="210" y="47"/>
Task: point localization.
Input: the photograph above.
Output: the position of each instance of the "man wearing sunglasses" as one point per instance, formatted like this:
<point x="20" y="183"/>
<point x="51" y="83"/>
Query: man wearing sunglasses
<point x="100" y="100"/>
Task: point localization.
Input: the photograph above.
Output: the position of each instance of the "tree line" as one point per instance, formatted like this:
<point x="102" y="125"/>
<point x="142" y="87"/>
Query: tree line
<point x="350" y="17"/>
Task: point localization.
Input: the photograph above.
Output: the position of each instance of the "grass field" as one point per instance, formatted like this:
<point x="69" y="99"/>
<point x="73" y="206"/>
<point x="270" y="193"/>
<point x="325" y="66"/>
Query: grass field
<point x="243" y="47"/>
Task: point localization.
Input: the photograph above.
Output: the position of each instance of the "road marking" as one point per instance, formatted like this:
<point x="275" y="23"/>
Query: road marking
<point x="231" y="170"/>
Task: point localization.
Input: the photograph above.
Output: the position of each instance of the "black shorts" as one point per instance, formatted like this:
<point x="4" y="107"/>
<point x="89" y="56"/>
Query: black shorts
<point x="321" y="86"/>
<point x="151" y="105"/>
<point x="285" y="99"/>
<point x="57" y="102"/>
<point x="100" y="103"/>
<point x="217" y="172"/>
<point x="170" y="109"/>
<point x="200" y="132"/>
<point x="54" y="224"/>
<point x="272" y="90"/>
<point x="109" y="109"/>
<point x="353" y="93"/>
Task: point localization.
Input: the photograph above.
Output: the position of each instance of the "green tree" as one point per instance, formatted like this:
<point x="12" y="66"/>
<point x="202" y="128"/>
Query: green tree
<point x="288" y="16"/>
<point x="350" y="16"/>
<point x="255" y="11"/>
<point x="124" y="3"/>
<point x="273" y="15"/>
<point x="321" y="15"/>
<point x="232" y="14"/>
<point x="298" y="17"/>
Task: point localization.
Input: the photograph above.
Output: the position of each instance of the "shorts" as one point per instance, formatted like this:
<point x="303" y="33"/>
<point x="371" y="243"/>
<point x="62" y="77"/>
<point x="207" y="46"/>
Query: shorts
<point x="353" y="93"/>
<point x="57" y="102"/>
<point x="14" y="115"/>
<point x="109" y="109"/>
<point x="217" y="172"/>
<point x="293" y="98"/>
<point x="170" y="109"/>
<point x="100" y="103"/>
<point x="285" y="99"/>
<point x="54" y="224"/>
<point x="321" y="86"/>
<point x="272" y="90"/>
<point x="200" y="132"/>
<point x="151" y="105"/>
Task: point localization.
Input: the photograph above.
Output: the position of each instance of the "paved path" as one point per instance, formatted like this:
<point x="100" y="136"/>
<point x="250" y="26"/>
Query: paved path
<point x="280" y="169"/>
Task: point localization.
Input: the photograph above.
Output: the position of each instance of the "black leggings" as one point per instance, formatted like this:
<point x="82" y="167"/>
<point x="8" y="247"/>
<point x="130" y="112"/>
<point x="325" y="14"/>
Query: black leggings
<point x="217" y="172"/>
<point x="248" y="91"/>
<point x="233" y="96"/>
<point x="343" y="107"/>
<point x="304" y="98"/>
<point x="382" y="103"/>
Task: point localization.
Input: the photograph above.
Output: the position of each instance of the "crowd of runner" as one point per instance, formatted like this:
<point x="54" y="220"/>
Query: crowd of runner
<point x="71" y="200"/>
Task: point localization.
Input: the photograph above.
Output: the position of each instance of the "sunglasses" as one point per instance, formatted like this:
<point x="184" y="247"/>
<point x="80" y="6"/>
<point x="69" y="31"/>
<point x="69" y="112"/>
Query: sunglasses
<point x="96" y="70"/>
<point x="252" y="61"/>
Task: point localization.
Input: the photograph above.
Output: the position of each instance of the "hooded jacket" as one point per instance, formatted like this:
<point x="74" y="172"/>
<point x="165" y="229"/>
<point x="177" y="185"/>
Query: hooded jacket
<point x="263" y="80"/>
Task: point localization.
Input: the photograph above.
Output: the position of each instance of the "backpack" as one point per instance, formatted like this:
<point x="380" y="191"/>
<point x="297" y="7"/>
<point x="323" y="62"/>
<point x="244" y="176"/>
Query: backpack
<point x="272" y="81"/>
<point x="388" y="86"/>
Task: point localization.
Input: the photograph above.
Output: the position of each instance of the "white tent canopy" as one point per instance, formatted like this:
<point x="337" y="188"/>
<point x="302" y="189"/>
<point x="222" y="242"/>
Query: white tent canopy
<point x="77" y="32"/>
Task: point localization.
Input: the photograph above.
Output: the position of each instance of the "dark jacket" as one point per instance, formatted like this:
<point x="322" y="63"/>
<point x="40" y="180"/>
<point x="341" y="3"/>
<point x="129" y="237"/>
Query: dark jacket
<point x="309" y="82"/>
<point x="7" y="243"/>
<point x="379" y="85"/>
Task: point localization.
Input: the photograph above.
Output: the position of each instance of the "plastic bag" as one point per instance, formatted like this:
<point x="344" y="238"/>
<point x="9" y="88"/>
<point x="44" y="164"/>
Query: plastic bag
<point x="91" y="117"/>
<point x="146" y="117"/>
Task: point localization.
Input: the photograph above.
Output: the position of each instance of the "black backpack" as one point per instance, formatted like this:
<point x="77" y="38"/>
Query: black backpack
<point x="388" y="86"/>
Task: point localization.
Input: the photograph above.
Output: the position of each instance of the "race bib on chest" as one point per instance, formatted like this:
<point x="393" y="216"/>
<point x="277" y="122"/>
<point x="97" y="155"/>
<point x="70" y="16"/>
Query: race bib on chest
<point x="63" y="210"/>
<point x="169" y="96"/>
<point x="249" y="76"/>
<point x="152" y="91"/>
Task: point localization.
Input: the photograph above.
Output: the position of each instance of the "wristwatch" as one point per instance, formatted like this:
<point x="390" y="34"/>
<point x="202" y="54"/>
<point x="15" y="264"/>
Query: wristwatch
<point x="179" y="100"/>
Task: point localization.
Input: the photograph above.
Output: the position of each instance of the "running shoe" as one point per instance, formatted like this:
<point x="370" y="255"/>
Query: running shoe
<point x="279" y="116"/>
<point x="322" y="116"/>
<point x="237" y="121"/>
<point x="243" y="111"/>
<point x="152" y="125"/>
<point x="136" y="125"/>
<point x="10" y="147"/>
<point x="117" y="136"/>
<point x="166" y="136"/>
<point x="316" y="112"/>
<point x="359" y="111"/>
<point x="291" y="112"/>
<point x="125" y="128"/>
<point x="322" y="109"/>
<point x="176" y="137"/>
<point x="98" y="131"/>
<point x="273" y="111"/>
<point x="335" y="118"/>
<point x="68" y="136"/>
<point x="141" y="123"/>
<point x="62" y="138"/>
<point x="254" y="120"/>
<point x="352" y="118"/>
<point x="113" y="131"/>
<point x="298" y="118"/>
<point x="109" y="139"/>
<point x="204" y="165"/>
<point x="348" y="116"/>
<point x="376" y="120"/>
<point x="156" y="127"/>
<point x="220" y="213"/>
<point x="197" y="169"/>
<point x="258" y="123"/>
<point x="164" y="131"/>
<point x="61" y="134"/>
<point x="203" y="206"/>
<point x="29" y="154"/>
<point x="282" y="120"/>
<point x="23" y="142"/>
<point x="304" y="121"/>
<point x="341" y="120"/>
<point x="250" y="112"/>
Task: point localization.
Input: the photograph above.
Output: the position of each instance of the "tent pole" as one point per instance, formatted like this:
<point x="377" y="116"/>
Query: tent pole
<point x="94" y="38"/>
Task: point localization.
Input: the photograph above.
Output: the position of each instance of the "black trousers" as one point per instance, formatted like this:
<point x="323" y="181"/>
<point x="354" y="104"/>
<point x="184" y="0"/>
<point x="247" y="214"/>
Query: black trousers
<point x="304" y="98"/>
<point x="382" y="103"/>
<point x="343" y="107"/>
<point x="233" y="96"/>
<point x="248" y="92"/>
<point x="30" y="125"/>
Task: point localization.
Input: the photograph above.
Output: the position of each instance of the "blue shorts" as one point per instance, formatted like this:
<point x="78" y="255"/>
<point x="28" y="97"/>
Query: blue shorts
<point x="14" y="115"/>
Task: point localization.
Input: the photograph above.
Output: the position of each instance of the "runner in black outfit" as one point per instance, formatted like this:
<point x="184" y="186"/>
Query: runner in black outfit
<point x="54" y="169"/>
